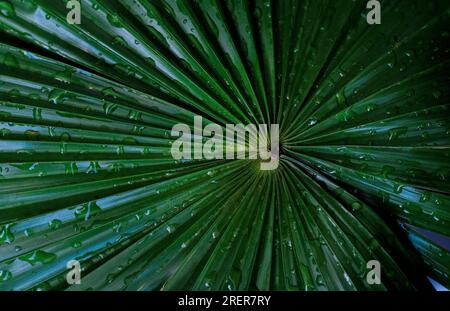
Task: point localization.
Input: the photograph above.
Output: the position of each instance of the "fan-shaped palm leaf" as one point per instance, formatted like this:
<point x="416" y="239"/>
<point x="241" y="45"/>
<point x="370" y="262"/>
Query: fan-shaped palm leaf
<point x="86" y="171"/>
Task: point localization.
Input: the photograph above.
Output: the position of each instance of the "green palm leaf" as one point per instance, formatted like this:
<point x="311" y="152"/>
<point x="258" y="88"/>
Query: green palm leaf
<point x="86" y="170"/>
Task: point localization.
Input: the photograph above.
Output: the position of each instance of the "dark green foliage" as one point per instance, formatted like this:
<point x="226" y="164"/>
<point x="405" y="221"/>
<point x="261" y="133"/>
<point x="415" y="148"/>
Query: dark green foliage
<point x="86" y="171"/>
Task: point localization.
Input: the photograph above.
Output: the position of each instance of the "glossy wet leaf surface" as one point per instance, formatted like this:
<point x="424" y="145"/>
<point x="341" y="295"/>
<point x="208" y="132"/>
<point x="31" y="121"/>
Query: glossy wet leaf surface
<point x="86" y="171"/>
